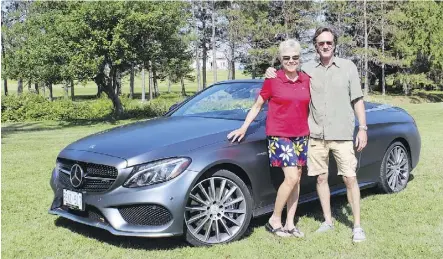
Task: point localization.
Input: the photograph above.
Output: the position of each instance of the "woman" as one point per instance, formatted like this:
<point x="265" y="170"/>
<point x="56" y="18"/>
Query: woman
<point x="287" y="132"/>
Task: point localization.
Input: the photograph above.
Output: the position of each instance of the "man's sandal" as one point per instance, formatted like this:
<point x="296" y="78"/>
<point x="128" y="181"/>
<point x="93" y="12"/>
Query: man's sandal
<point x="276" y="231"/>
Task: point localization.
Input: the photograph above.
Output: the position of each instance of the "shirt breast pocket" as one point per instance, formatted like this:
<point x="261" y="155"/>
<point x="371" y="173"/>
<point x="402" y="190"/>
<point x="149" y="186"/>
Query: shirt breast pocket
<point x="315" y="85"/>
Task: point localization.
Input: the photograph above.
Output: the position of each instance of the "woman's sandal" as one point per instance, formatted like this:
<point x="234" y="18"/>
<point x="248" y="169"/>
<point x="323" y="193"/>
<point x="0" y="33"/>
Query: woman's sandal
<point x="275" y="231"/>
<point x="295" y="232"/>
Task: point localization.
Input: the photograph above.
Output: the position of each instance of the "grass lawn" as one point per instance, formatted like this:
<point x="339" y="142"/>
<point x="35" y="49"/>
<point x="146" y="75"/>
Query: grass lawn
<point x="404" y="225"/>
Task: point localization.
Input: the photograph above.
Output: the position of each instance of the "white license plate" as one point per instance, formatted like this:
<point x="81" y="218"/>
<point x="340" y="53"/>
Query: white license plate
<point x="73" y="199"/>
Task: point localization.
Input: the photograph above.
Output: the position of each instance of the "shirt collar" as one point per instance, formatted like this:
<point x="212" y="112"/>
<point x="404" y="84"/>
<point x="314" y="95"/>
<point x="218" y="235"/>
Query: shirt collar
<point x="335" y="61"/>
<point x="284" y="79"/>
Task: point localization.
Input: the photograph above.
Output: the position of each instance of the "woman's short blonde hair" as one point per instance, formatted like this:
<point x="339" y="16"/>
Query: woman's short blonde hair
<point x="289" y="44"/>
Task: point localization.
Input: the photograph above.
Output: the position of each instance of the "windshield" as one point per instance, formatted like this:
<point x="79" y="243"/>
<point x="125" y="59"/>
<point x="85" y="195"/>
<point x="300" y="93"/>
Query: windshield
<point x="226" y="101"/>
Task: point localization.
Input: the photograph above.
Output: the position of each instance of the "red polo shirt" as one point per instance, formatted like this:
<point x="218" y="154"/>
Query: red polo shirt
<point x="288" y="105"/>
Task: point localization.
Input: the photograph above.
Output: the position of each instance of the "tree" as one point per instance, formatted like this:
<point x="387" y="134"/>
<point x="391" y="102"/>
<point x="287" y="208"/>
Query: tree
<point x="178" y="66"/>
<point x="91" y="40"/>
<point x="196" y="37"/>
<point x="232" y="33"/>
<point x="131" y="81"/>
<point x="203" y="22"/>
<point x="416" y="35"/>
<point x="3" y="46"/>
<point x="260" y="39"/>
<point x="365" y="20"/>
<point x="13" y="13"/>
<point x="33" y="45"/>
<point x="213" y="40"/>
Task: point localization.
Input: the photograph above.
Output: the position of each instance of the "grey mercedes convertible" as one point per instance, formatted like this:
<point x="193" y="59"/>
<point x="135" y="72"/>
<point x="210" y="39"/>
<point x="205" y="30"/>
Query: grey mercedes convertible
<point x="179" y="175"/>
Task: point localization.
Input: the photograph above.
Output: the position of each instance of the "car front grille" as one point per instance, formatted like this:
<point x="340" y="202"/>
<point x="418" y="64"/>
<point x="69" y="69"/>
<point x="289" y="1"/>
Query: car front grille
<point x="97" y="178"/>
<point x="146" y="214"/>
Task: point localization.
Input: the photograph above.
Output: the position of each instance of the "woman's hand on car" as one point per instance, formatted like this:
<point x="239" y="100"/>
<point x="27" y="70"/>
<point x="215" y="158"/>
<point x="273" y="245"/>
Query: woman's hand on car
<point x="237" y="134"/>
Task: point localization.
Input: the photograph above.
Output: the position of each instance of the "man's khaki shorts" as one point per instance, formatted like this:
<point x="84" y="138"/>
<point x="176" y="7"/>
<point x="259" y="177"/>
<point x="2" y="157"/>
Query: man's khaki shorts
<point x="343" y="151"/>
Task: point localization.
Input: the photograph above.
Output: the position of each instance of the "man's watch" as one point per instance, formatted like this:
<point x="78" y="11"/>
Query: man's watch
<point x="363" y="127"/>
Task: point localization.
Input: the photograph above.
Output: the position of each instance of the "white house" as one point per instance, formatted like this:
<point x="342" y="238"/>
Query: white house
<point x="221" y="61"/>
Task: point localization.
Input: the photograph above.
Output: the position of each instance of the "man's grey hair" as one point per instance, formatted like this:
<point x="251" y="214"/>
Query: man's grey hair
<point x="289" y="44"/>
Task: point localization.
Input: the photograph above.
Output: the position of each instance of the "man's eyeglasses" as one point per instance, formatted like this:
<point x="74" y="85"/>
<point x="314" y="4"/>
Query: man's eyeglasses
<point x="322" y="43"/>
<point x="287" y="58"/>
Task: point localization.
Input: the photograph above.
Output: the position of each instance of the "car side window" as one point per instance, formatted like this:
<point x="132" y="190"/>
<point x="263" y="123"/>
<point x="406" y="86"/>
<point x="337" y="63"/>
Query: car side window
<point x="228" y="101"/>
<point x="225" y="100"/>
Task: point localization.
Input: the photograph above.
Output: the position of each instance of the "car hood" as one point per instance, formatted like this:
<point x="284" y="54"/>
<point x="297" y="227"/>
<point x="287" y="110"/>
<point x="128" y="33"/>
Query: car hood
<point x="166" y="135"/>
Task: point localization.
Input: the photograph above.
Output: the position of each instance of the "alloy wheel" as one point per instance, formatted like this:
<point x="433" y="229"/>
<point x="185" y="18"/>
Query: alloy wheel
<point x="216" y="210"/>
<point x="397" y="168"/>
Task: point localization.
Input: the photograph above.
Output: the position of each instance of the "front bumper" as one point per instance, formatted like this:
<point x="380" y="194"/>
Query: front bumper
<point x="104" y="210"/>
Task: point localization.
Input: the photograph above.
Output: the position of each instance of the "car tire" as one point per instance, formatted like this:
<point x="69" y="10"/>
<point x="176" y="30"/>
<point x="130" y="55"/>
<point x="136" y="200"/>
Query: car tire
<point x="226" y="215"/>
<point x="395" y="168"/>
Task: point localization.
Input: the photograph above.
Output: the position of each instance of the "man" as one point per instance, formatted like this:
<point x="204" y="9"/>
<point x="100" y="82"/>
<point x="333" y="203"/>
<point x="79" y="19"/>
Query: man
<point x="335" y="96"/>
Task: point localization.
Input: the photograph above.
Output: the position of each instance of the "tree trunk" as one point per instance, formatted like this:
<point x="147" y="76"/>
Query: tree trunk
<point x="118" y="83"/>
<point x="154" y="81"/>
<point x="366" y="89"/>
<point x="66" y="90"/>
<point x="204" y="59"/>
<point x="5" y="80"/>
<point x="108" y="86"/>
<point x="214" y="50"/>
<point x="131" y="82"/>
<point x="253" y="68"/>
<point x="383" y="81"/>
<point x="72" y="90"/>
<point x="51" y="97"/>
<point x="182" y="82"/>
<point x="118" y="107"/>
<point x="285" y="18"/>
<point x="405" y="88"/>
<point x="5" y="86"/>
<point x="29" y="85"/>
<point x="198" y="71"/>
<point x="99" y="91"/>
<point x="197" y="58"/>
<point x="169" y="84"/>
<point x="150" y="84"/>
<point x="232" y="61"/>
<point x="44" y="89"/>
<point x="143" y="84"/>
<point x="20" y="86"/>
<point x="339" y="51"/>
<point x="36" y="88"/>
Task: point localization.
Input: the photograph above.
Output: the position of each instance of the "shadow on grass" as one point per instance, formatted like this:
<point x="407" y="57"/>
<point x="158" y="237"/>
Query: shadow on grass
<point x="341" y="210"/>
<point x="25" y="127"/>
<point x="431" y="97"/>
<point x="19" y="127"/>
<point x="417" y="97"/>
<point x="167" y="243"/>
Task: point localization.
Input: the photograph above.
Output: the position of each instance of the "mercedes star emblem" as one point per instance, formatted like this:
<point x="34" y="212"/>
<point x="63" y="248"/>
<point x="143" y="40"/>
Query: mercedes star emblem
<point x="76" y="175"/>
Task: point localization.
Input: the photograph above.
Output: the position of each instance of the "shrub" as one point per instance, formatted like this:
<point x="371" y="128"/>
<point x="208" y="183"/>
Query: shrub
<point x="33" y="107"/>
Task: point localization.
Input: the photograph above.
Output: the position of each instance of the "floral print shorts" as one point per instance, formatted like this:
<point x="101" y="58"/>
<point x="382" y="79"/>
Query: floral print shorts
<point x="285" y="151"/>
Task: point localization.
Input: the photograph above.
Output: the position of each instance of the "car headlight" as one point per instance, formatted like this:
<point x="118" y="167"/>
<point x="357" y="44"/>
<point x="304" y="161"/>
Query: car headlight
<point x="157" y="172"/>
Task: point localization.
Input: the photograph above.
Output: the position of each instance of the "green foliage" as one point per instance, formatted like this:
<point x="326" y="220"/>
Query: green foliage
<point x="153" y="108"/>
<point x="417" y="38"/>
<point x="32" y="107"/>
<point x="62" y="41"/>
<point x="408" y="81"/>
